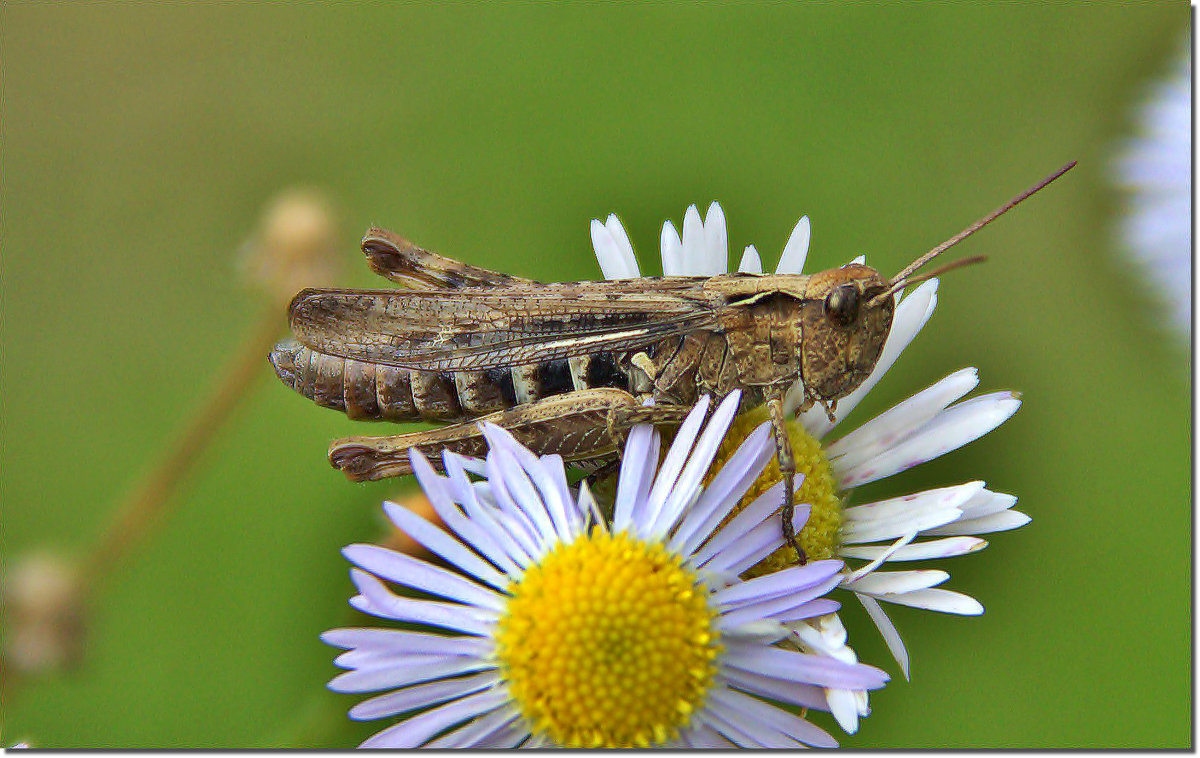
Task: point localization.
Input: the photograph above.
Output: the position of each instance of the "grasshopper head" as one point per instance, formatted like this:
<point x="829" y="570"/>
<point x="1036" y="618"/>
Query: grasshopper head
<point x="843" y="330"/>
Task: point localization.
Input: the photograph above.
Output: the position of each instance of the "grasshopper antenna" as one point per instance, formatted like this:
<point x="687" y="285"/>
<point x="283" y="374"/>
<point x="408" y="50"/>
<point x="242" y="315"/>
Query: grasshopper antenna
<point x="901" y="279"/>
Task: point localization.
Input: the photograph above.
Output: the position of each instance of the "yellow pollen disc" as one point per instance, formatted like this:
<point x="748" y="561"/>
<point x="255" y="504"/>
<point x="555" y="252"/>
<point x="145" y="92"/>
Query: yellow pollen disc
<point x="608" y="642"/>
<point x="819" y="537"/>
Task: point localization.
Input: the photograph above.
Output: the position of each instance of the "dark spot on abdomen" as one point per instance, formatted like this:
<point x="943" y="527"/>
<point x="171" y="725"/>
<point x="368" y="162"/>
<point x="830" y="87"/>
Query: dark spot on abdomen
<point x="602" y="371"/>
<point x="554" y="378"/>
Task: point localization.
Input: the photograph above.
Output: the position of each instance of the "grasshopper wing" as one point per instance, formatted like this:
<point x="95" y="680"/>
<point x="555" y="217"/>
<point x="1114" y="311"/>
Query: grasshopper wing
<point x="480" y="328"/>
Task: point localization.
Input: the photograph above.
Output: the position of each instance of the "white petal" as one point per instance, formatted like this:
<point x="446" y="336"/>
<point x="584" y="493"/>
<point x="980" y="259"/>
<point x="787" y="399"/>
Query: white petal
<point x="920" y="551"/>
<point x="750" y="263"/>
<point x="896" y="423"/>
<point x="996" y="522"/>
<point x="672" y="250"/>
<point x="843" y="704"/>
<point x="950" y="430"/>
<point x="986" y="503"/>
<point x="693" y="243"/>
<point x="858" y="573"/>
<point x="888" y="519"/>
<point x="885" y="584"/>
<point x="716" y="245"/>
<point x="943" y="601"/>
<point x="614" y="227"/>
<point x="891" y="636"/>
<point x="614" y="254"/>
<point x="796" y="249"/>
<point x="858" y="261"/>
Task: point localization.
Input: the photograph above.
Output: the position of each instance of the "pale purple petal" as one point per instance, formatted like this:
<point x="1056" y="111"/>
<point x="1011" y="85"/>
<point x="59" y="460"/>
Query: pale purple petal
<point x="441" y="544"/>
<point x="419" y="575"/>
<point x="672" y="465"/>
<point x="726" y="488"/>
<point x="688" y="486"/>
<point x="793" y="579"/>
<point x="416" y="731"/>
<point x="378" y="600"/>
<point x="493" y="726"/>
<point x="777" y="688"/>
<point x="389" y="677"/>
<point x="751" y="710"/>
<point x="636" y="474"/>
<point x="422" y="695"/>
<point x="804" y="667"/>
<point x="406" y="642"/>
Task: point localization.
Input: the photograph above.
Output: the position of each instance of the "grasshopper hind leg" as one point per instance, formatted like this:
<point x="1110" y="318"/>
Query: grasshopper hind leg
<point x="584" y="427"/>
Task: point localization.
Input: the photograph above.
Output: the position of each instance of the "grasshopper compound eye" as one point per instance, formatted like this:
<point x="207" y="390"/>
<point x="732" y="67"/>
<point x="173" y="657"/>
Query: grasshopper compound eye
<point x="841" y="305"/>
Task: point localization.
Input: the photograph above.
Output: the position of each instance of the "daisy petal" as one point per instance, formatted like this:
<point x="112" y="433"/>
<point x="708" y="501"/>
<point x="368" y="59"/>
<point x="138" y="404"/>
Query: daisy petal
<point x="419" y="575"/>
<point x="421" y="695"/>
<point x="892" y="425"/>
<point x="996" y="522"/>
<point x="716" y="247"/>
<point x="417" y="730"/>
<point x="672" y="251"/>
<point x="796" y="250"/>
<point x="887" y="629"/>
<point x="750" y="263"/>
<point x="884" y="584"/>
<point x="950" y="430"/>
<point x="943" y="601"/>
<point x="920" y="551"/>
<point x="443" y="545"/>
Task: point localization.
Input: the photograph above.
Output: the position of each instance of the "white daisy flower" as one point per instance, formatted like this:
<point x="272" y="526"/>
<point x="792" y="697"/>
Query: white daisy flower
<point x="925" y="426"/>
<point x="1156" y="171"/>
<point x="557" y="629"/>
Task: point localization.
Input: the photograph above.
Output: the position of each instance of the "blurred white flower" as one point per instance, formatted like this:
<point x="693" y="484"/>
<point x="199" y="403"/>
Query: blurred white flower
<point x="1155" y="170"/>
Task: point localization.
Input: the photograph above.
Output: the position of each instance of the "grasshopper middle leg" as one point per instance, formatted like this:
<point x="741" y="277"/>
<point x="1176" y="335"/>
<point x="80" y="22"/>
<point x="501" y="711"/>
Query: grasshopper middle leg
<point x="787" y="467"/>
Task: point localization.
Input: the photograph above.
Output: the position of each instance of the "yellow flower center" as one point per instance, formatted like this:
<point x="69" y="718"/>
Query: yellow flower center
<point x="608" y="642"/>
<point x="819" y="537"/>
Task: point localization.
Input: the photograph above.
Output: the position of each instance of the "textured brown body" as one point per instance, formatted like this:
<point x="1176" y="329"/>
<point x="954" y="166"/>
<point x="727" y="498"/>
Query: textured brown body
<point x="562" y="366"/>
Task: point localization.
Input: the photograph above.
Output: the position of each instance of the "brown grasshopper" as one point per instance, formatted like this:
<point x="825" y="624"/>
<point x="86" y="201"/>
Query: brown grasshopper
<point x="565" y="367"/>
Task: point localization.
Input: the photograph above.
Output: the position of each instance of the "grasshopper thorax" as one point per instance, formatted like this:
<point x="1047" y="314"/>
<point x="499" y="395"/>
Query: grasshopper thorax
<point x="843" y="330"/>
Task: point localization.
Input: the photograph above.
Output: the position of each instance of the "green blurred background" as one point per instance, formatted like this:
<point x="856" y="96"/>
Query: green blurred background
<point x="142" y="141"/>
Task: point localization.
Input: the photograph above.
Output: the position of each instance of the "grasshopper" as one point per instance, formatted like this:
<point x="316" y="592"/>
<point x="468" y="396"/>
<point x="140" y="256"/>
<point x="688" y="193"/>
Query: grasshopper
<point x="566" y="367"/>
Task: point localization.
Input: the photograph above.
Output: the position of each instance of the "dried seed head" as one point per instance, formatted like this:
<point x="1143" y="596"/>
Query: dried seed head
<point x="295" y="246"/>
<point x="44" y="614"/>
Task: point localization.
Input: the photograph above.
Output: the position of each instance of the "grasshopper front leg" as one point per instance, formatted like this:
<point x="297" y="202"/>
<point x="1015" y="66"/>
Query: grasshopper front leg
<point x="583" y="427"/>
<point x="787" y="467"/>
